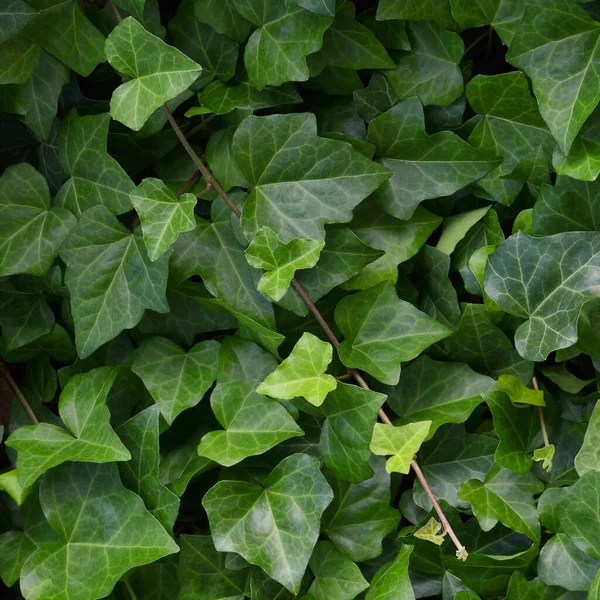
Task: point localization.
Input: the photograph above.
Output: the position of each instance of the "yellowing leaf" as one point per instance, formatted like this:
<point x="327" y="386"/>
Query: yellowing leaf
<point x="430" y="532"/>
<point x="402" y="443"/>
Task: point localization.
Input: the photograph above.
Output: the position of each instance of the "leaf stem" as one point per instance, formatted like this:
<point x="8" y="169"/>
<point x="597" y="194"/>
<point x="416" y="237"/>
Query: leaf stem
<point x="117" y="12"/>
<point x="132" y="594"/>
<point x="19" y="393"/>
<point x="187" y="184"/>
<point x="541" y="413"/>
<point x="209" y="178"/>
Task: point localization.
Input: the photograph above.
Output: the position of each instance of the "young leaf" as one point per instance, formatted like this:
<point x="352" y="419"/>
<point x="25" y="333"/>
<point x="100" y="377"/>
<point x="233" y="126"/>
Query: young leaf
<point x="545" y="456"/>
<point x="123" y="282"/>
<point x="253" y="424"/>
<point x="302" y="373"/>
<point x="402" y="443"/>
<point x="518" y="392"/>
<point x="286" y="512"/>
<point x="431" y="532"/>
<point x="280" y="260"/>
<point x="177" y="380"/>
<point x="159" y="72"/>
<point x="299" y="180"/>
<point x="392" y="581"/>
<point x="588" y="457"/>
<point x="381" y="331"/>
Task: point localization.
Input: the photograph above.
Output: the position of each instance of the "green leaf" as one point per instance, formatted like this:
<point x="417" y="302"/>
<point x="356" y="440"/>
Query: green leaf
<point x="20" y="56"/>
<point x="429" y="70"/>
<point x="522" y="279"/>
<point x="97" y="522"/>
<point x="96" y="177"/>
<point x="401" y="442"/>
<point x="376" y="98"/>
<point x="423" y="166"/>
<point x="431" y="532"/>
<point x="241" y="359"/>
<point x="9" y="483"/>
<point x="321" y="185"/>
<point x="506" y="497"/>
<point x="14" y="15"/>
<point x="503" y="15"/>
<point x="336" y="576"/>
<point x="163" y="215"/>
<point x="286" y="511"/>
<point x="518" y="392"/>
<point x="588" y="457"/>
<point x="521" y="589"/>
<point x="321" y="7"/>
<point x="82" y="407"/>
<point x="140" y="474"/>
<point x="280" y="260"/>
<point x="203" y="570"/>
<point x="350" y="415"/>
<point x="416" y="10"/>
<point x="286" y="33"/>
<point x="545" y="456"/>
<point x="253" y="424"/>
<point x="302" y="373"/>
<point x="360" y="515"/>
<point x="32" y="232"/>
<point x="439" y="392"/>
<point x="381" y="331"/>
<point x="123" y="283"/>
<point x="392" y="581"/>
<point x="222" y="16"/>
<point x="159" y="72"/>
<point x="177" y="380"/>
<point x="219" y="155"/>
<point x="567" y="92"/>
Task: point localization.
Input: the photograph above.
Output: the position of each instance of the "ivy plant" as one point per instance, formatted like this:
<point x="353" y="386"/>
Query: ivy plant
<point x="299" y="299"/>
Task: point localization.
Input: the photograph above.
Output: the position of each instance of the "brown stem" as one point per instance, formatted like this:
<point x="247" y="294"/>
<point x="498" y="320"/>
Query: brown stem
<point x="117" y="12"/>
<point x="204" y="191"/>
<point x="19" y="393"/>
<point x="541" y="413"/>
<point x="187" y="184"/>
<point x="209" y="178"/>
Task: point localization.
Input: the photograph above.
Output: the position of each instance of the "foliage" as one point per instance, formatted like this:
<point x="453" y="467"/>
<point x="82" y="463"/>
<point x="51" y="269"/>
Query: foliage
<point x="300" y="299"/>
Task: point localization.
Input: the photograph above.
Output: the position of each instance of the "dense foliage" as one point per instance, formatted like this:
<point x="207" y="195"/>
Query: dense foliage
<point x="300" y="299"/>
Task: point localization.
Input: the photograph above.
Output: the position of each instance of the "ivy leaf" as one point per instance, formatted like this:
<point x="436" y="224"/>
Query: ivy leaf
<point x="82" y="407"/>
<point x="381" y="331"/>
<point x="416" y="10"/>
<point x="302" y="373"/>
<point x="177" y="380"/>
<point x="360" y="515"/>
<point x="14" y="15"/>
<point x="140" y="474"/>
<point x="32" y="231"/>
<point x="439" y="392"/>
<point x="122" y="277"/>
<point x="96" y="177"/>
<point x="521" y="589"/>
<point x="376" y="98"/>
<point x="521" y="279"/>
<point x="350" y="415"/>
<point x="321" y="7"/>
<point x="159" y="72"/>
<point x="222" y="16"/>
<point x="401" y="442"/>
<point x="336" y="576"/>
<point x="429" y="70"/>
<point x="253" y="424"/>
<point x="276" y="51"/>
<point x="243" y="515"/>
<point x="241" y="359"/>
<point x="296" y="197"/>
<point x="588" y="457"/>
<point x="219" y="155"/>
<point x="203" y="570"/>
<point x="567" y="93"/>
<point x="545" y="456"/>
<point x="518" y="392"/>
<point x="506" y="497"/>
<point x="431" y="532"/>
<point x="163" y="216"/>
<point x="20" y="56"/>
<point x="423" y="166"/>
<point x="392" y="582"/>
<point x="74" y="496"/>
<point x="280" y="260"/>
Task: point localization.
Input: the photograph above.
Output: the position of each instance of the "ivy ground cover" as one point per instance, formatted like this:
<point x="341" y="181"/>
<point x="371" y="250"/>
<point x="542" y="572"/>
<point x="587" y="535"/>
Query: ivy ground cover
<point x="299" y="299"/>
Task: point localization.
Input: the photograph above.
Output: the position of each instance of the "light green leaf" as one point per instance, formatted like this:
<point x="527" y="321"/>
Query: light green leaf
<point x="350" y="415"/>
<point x="401" y="442"/>
<point x="203" y="572"/>
<point x="163" y="216"/>
<point x="159" y="72"/>
<point x="140" y="474"/>
<point x="518" y="392"/>
<point x="423" y="166"/>
<point x="82" y="407"/>
<point x="545" y="456"/>
<point x="110" y="279"/>
<point x="14" y="15"/>
<point x="360" y="516"/>
<point x="103" y="531"/>
<point x="567" y="90"/>
<point x="439" y="392"/>
<point x="381" y="331"/>
<point x="32" y="232"/>
<point x="96" y="177"/>
<point x="521" y="277"/>
<point x="392" y="581"/>
<point x="9" y="483"/>
<point x="457" y="226"/>
<point x="302" y="373"/>
<point x="431" y="532"/>
<point x="177" y="380"/>
<point x="429" y="70"/>
<point x="285" y="513"/>
<point x="416" y="10"/>
<point x="20" y="56"/>
<point x="336" y="576"/>
<point x="506" y="497"/>
<point x="253" y="424"/>
<point x="594" y="591"/>
<point x="276" y="52"/>
<point x="588" y="458"/>
<point x="299" y="181"/>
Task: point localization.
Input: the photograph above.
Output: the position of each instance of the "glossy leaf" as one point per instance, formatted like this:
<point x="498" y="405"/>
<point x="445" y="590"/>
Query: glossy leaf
<point x="588" y="457"/>
<point x="401" y="442"/>
<point x="519" y="393"/>
<point x="503" y="15"/>
<point x="392" y="582"/>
